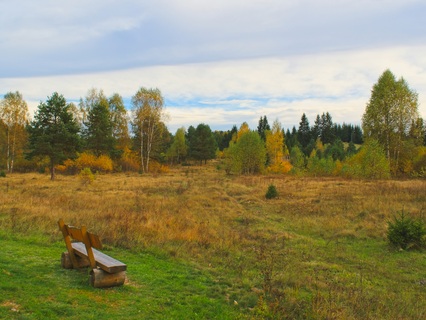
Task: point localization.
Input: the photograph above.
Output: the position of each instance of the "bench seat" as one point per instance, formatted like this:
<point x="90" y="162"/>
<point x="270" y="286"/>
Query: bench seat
<point x="103" y="261"/>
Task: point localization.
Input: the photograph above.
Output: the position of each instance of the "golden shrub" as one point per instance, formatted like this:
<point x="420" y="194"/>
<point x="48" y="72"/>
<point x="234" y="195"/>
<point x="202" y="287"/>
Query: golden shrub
<point x="85" y="160"/>
<point x="129" y="161"/>
<point x="60" y="168"/>
<point x="282" y="166"/>
<point x="156" y="167"/>
<point x="102" y="163"/>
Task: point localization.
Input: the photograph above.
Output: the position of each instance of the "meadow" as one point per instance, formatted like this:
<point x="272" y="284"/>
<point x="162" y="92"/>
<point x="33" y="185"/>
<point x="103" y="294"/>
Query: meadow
<point x="203" y="244"/>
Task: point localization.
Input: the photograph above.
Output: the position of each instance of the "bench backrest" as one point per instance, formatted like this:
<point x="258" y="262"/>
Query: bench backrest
<point x="90" y="240"/>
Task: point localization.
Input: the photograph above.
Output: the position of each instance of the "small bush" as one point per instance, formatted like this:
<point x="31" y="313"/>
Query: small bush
<point x="2" y="174"/>
<point x="86" y="176"/>
<point x="156" y="167"/>
<point x="406" y="233"/>
<point x="272" y="192"/>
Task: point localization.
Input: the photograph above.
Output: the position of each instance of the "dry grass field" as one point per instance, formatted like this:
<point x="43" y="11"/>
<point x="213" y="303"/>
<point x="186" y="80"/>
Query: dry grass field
<point x="317" y="251"/>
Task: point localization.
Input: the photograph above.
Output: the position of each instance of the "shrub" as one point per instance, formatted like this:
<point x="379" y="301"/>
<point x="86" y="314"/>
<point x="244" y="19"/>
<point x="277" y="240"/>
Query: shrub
<point x="156" y="167"/>
<point x="102" y="163"/>
<point x="271" y="192"/>
<point x="86" y="176"/>
<point x="369" y="163"/>
<point x="2" y="174"/>
<point x="406" y="233"/>
<point x="281" y="166"/>
<point x="130" y="161"/>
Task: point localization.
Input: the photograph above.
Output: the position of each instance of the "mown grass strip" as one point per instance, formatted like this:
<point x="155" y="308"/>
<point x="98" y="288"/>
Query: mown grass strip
<point x="34" y="286"/>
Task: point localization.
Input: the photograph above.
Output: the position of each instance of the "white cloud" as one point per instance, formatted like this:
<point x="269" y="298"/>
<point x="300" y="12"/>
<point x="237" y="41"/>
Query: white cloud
<point x="230" y="92"/>
<point x="48" y="37"/>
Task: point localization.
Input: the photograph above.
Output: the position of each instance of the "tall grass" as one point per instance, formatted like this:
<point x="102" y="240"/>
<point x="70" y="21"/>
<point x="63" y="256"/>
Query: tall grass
<point x="317" y="251"/>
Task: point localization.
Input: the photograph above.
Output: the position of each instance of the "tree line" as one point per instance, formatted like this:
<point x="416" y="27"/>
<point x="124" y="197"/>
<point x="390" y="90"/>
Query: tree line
<point x="100" y="134"/>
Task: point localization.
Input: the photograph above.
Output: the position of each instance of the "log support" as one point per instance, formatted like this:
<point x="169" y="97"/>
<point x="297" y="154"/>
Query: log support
<point x="80" y="262"/>
<point x="101" y="279"/>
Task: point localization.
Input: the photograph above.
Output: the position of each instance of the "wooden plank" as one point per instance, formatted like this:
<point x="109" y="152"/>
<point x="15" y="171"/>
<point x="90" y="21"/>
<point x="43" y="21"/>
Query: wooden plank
<point x="95" y="241"/>
<point x="89" y="249"/>
<point x="103" y="261"/>
<point x="75" y="233"/>
<point x="67" y="239"/>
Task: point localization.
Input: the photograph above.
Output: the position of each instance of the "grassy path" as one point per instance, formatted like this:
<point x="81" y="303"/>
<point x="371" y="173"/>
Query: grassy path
<point x="34" y="286"/>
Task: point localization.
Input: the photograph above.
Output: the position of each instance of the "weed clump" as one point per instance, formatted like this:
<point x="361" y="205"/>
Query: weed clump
<point x="86" y="176"/>
<point x="406" y="233"/>
<point x="272" y="192"/>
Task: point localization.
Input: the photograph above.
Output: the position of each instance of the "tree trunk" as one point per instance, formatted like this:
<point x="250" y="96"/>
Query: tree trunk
<point x="52" y="171"/>
<point x="150" y="136"/>
<point x="142" y="162"/>
<point x="8" y="150"/>
<point x="12" y="156"/>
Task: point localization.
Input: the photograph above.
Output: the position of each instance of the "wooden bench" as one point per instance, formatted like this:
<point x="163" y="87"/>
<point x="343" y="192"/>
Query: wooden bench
<point x="82" y="252"/>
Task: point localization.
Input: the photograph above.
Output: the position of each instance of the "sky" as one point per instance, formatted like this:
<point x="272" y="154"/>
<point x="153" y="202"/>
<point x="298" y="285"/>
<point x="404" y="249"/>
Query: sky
<point x="219" y="62"/>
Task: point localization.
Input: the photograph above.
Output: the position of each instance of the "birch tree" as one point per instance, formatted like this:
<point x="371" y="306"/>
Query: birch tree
<point x="119" y="121"/>
<point x="147" y="113"/>
<point x="14" y="114"/>
<point x="388" y="116"/>
<point x="179" y="148"/>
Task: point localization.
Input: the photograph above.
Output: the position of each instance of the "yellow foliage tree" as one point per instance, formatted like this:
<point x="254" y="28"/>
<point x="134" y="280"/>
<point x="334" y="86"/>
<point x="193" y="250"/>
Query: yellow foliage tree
<point x="129" y="160"/>
<point x="243" y="129"/>
<point x="275" y="150"/>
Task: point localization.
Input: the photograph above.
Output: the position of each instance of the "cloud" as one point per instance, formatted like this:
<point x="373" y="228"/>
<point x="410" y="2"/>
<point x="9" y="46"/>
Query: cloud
<point x="48" y="37"/>
<point x="225" y="93"/>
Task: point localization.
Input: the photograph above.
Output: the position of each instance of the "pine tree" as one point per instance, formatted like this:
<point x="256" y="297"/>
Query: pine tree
<point x="202" y="145"/>
<point x="304" y="132"/>
<point x="98" y="132"/>
<point x="263" y="127"/>
<point x="53" y="133"/>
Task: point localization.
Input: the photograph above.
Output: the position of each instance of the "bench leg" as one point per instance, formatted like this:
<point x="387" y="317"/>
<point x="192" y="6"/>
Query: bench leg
<point x="66" y="262"/>
<point x="102" y="279"/>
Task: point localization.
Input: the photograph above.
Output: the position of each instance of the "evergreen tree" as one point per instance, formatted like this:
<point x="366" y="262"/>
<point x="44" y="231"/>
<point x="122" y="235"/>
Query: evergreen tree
<point x="304" y="132"/>
<point x="98" y="131"/>
<point x="202" y="145"/>
<point x="327" y="132"/>
<point x="291" y="138"/>
<point x="225" y="137"/>
<point x="336" y="150"/>
<point x="357" y="136"/>
<point x="317" y="128"/>
<point x="263" y="127"/>
<point x="53" y="133"/>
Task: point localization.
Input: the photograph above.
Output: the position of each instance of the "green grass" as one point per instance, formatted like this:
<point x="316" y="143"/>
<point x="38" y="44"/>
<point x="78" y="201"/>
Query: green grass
<point x="34" y="286"/>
